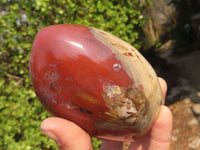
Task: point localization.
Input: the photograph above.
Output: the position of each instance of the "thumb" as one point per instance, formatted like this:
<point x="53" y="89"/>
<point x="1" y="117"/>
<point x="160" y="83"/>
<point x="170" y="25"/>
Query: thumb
<point x="66" y="134"/>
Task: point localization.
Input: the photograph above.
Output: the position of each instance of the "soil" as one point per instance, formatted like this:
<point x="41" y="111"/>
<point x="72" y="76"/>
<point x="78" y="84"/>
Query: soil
<point x="186" y="126"/>
<point x="183" y="99"/>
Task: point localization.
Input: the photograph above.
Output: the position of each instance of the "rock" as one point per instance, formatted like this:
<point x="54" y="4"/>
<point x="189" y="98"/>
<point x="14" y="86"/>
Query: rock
<point x="193" y="122"/>
<point x="198" y="94"/>
<point x="194" y="143"/>
<point x="196" y="109"/>
<point x="174" y="138"/>
<point x="187" y="101"/>
<point x="196" y="24"/>
<point x="175" y="134"/>
<point x="188" y="66"/>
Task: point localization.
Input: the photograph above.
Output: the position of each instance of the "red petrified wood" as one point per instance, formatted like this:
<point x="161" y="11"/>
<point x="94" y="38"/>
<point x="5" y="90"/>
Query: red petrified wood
<point x="93" y="78"/>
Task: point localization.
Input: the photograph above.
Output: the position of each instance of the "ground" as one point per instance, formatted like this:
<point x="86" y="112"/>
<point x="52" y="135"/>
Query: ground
<point x="186" y="127"/>
<point x="184" y="100"/>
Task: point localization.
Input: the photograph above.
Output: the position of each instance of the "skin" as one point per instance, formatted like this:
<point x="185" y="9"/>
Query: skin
<point x="69" y="136"/>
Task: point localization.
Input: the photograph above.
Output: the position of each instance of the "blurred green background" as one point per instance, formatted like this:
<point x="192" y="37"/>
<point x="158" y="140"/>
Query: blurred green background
<point x="20" y="111"/>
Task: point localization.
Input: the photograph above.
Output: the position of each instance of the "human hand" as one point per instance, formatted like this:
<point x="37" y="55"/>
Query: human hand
<point x="70" y="136"/>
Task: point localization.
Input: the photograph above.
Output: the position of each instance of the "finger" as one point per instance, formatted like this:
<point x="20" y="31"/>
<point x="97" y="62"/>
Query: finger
<point x="163" y="85"/>
<point x="161" y="131"/>
<point x="109" y="145"/>
<point x="160" y="135"/>
<point x="66" y="134"/>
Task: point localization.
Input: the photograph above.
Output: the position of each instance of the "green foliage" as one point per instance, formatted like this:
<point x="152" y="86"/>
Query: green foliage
<point x="20" y="20"/>
<point x="20" y="118"/>
<point x="96" y="143"/>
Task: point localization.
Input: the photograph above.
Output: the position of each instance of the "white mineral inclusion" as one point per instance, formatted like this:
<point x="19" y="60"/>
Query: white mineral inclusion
<point x="112" y="90"/>
<point x="126" y="109"/>
<point x="119" y="106"/>
<point x="117" y="67"/>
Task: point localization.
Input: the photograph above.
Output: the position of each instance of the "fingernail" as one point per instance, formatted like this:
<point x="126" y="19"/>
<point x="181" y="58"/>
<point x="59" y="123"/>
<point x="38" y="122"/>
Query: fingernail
<point x="51" y="135"/>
